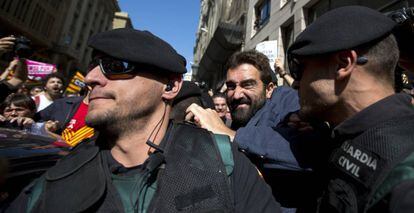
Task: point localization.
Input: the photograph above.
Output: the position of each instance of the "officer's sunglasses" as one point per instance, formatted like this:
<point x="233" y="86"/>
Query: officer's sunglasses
<point x="113" y="68"/>
<point x="296" y="67"/>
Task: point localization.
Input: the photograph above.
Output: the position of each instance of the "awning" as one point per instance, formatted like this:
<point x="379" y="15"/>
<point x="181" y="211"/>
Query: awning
<point x="226" y="40"/>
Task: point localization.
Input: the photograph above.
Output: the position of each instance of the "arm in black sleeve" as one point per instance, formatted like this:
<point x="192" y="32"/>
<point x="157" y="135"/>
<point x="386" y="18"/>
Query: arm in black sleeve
<point x="27" y="197"/>
<point x="251" y="193"/>
<point x="402" y="197"/>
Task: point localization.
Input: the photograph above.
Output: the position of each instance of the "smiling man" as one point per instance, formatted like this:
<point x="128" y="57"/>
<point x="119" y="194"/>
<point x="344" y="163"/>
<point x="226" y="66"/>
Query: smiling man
<point x="257" y="108"/>
<point x="249" y="84"/>
<point x="141" y="161"/>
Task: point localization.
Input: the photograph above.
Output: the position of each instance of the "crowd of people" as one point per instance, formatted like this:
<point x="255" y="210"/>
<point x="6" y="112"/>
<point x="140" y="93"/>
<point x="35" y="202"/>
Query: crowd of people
<point x="336" y="138"/>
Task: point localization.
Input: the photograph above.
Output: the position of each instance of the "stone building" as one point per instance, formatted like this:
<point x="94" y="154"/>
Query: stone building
<point x="58" y="29"/>
<point x="219" y="34"/>
<point x="262" y="20"/>
<point x="283" y="20"/>
<point x="121" y="20"/>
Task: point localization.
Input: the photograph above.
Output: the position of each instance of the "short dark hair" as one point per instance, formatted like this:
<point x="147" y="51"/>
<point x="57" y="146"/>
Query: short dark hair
<point x="254" y="58"/>
<point x="19" y="100"/>
<point x="178" y="110"/>
<point x="219" y="95"/>
<point x="54" y="75"/>
<point x="382" y="57"/>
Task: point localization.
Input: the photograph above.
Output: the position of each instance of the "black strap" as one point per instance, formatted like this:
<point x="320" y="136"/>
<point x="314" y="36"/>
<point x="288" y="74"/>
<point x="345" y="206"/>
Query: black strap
<point x="194" y="178"/>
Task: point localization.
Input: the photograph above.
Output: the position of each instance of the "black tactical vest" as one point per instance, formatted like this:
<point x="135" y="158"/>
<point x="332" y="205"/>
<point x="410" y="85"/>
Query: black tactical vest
<point x="193" y="178"/>
<point x="359" y="166"/>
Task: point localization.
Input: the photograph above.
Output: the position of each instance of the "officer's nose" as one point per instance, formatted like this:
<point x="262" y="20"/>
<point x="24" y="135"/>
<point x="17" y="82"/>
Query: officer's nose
<point x="95" y="77"/>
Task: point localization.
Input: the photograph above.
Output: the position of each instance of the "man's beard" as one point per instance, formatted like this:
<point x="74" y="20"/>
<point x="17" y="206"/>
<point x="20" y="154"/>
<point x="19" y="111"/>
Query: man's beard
<point x="115" y="122"/>
<point x="240" y="117"/>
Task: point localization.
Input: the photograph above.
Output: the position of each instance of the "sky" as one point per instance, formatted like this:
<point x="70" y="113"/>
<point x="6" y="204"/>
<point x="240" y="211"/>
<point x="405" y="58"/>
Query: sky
<point x="174" y="21"/>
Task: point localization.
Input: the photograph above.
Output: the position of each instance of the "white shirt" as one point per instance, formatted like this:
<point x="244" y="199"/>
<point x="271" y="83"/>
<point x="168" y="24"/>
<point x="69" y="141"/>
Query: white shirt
<point x="44" y="102"/>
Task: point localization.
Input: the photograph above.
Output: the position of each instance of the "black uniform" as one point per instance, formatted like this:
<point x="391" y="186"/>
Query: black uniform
<point x="371" y="163"/>
<point x="370" y="145"/>
<point x="186" y="176"/>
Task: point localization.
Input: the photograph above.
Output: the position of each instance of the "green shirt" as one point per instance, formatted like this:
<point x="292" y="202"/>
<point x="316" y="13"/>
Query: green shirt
<point x="134" y="192"/>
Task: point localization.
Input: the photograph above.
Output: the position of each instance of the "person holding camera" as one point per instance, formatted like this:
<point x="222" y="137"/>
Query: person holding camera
<point x="7" y="44"/>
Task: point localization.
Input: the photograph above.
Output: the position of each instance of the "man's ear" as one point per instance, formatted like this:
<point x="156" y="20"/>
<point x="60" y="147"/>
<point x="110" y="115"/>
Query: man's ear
<point x="347" y="61"/>
<point x="269" y="89"/>
<point x="175" y="84"/>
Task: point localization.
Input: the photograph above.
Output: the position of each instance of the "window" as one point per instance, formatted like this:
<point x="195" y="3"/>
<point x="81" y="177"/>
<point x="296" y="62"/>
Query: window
<point x="37" y="19"/>
<point x="262" y="11"/>
<point x="283" y="3"/>
<point x="21" y="9"/>
<point x="6" y="5"/>
<point x="324" y="6"/>
<point x="79" y="5"/>
<point x="287" y="38"/>
<point x="48" y="25"/>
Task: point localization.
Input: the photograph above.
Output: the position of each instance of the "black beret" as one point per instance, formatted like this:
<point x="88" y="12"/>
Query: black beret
<point x="188" y="89"/>
<point x="340" y="29"/>
<point x="141" y="47"/>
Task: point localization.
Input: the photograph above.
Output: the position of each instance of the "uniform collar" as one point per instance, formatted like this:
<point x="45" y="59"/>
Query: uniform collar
<point x="391" y="107"/>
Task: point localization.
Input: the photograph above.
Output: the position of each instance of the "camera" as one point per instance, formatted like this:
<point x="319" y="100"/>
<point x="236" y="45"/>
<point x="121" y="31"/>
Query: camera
<point x="403" y="15"/>
<point x="404" y="32"/>
<point x="22" y="47"/>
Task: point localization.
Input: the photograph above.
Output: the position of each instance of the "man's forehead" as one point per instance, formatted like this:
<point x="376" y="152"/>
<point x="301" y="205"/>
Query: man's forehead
<point x="219" y="99"/>
<point x="12" y="106"/>
<point x="54" y="79"/>
<point x="242" y="73"/>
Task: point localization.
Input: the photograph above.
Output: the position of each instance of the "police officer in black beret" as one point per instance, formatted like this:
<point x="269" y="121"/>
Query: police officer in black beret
<point x="344" y="65"/>
<point x="141" y="161"/>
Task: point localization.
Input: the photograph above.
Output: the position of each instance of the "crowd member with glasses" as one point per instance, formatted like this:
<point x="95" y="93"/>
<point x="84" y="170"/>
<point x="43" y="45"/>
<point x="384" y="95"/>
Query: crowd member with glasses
<point x="344" y="64"/>
<point x="17" y="112"/>
<point x="140" y="161"/>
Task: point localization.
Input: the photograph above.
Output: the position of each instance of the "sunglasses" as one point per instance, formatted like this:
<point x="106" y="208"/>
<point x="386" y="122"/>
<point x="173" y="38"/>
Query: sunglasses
<point x="296" y="67"/>
<point x="113" y="68"/>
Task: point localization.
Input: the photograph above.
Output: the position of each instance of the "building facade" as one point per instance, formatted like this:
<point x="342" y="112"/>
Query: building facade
<point x="59" y="30"/>
<point x="220" y="33"/>
<point x="121" y="20"/>
<point x="263" y="20"/>
<point x="284" y="20"/>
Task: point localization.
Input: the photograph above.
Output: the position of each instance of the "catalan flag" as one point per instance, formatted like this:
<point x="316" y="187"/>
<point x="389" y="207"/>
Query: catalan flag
<point x="73" y="138"/>
<point x="76" y="84"/>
